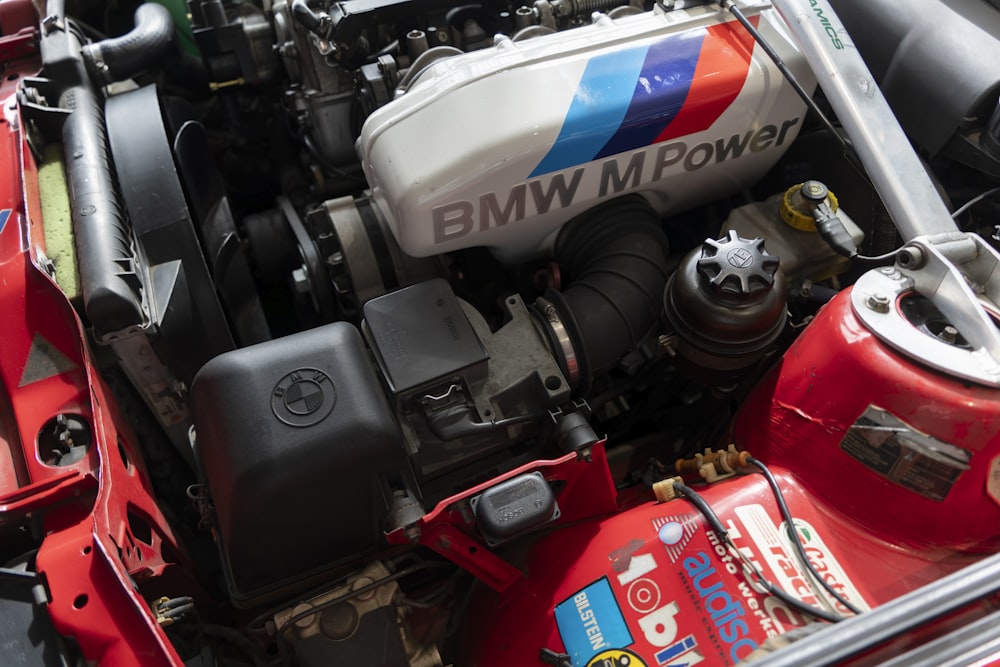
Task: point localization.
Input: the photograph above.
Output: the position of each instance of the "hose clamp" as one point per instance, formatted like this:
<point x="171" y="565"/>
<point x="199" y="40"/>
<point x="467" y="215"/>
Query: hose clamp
<point x="560" y="335"/>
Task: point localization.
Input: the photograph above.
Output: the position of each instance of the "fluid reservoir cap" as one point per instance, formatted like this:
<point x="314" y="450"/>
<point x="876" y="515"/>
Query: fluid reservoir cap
<point x="736" y="266"/>
<point x="799" y="201"/>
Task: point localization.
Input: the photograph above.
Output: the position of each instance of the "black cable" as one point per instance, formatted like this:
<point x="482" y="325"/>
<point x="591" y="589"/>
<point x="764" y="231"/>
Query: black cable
<point x="879" y="258"/>
<point x="695" y="499"/>
<point x="786" y="514"/>
<point x="786" y="72"/>
<point x="716" y="524"/>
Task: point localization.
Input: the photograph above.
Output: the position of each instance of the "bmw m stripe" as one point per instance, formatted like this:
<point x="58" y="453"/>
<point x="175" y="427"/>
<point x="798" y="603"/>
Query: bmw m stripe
<point x="651" y="93"/>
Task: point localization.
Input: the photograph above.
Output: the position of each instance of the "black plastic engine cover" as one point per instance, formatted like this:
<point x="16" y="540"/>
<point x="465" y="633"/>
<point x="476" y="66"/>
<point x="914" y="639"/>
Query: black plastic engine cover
<point x="293" y="435"/>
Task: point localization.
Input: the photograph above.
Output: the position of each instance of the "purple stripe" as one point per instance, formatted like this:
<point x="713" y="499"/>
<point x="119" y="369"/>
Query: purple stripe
<point x="660" y="91"/>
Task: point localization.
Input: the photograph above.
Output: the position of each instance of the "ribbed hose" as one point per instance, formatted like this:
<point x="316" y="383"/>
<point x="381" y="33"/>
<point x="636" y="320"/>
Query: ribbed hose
<point x="585" y="8"/>
<point x="614" y="258"/>
<point x="120" y="58"/>
<point x="104" y="247"/>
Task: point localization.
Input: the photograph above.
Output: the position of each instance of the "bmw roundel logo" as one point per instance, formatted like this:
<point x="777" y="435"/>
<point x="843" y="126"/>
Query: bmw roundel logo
<point x="303" y="397"/>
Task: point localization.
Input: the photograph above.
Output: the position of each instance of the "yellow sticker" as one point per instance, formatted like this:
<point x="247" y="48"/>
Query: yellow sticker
<point x="616" y="657"/>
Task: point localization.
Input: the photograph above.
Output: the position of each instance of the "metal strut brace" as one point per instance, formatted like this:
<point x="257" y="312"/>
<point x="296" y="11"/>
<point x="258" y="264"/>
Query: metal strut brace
<point x="957" y="271"/>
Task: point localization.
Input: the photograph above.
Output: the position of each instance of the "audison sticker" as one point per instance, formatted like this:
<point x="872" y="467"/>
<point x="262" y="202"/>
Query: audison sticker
<point x="590" y="622"/>
<point x="725" y="614"/>
<point x="903" y="455"/>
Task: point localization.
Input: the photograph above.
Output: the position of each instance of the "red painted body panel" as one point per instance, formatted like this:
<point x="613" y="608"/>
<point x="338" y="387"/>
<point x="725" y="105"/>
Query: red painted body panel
<point x="798" y="416"/>
<point x="713" y="604"/>
<point x="448" y="529"/>
<point x="91" y="557"/>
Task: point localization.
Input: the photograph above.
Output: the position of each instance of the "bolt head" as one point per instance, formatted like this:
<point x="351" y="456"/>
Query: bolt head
<point x="878" y="302"/>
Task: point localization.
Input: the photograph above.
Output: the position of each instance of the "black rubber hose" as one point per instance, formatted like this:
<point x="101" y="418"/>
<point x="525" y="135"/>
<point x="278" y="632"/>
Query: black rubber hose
<point x="306" y="17"/>
<point x="120" y="58"/>
<point x="614" y="259"/>
<point x="104" y="247"/>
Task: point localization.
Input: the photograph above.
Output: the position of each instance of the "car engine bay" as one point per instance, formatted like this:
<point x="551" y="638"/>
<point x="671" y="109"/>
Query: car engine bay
<point x="417" y="333"/>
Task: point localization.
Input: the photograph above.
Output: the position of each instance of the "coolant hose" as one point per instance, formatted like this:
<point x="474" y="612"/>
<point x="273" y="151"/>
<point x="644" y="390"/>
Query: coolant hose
<point x="120" y="58"/>
<point x="111" y="289"/>
<point x="614" y="258"/>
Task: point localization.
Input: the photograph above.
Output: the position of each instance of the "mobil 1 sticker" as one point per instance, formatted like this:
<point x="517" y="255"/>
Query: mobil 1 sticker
<point x="900" y="453"/>
<point x="590" y="623"/>
<point x="626" y="620"/>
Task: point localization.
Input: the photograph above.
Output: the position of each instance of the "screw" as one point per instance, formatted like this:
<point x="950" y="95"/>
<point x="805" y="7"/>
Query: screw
<point x="949" y="334"/>
<point x="910" y="257"/>
<point x="878" y="302"/>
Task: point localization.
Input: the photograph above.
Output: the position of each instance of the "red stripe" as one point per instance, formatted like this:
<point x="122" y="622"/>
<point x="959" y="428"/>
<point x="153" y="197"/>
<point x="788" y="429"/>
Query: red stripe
<point x="718" y="79"/>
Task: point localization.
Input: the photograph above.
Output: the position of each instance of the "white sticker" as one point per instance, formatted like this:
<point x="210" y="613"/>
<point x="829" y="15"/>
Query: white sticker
<point x="993" y="480"/>
<point x="775" y="549"/>
<point x="826" y="565"/>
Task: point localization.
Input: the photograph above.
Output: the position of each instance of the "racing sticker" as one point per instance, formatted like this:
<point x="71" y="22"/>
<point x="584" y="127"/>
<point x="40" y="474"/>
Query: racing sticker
<point x="774" y="547"/>
<point x="825" y="563"/>
<point x="993" y="480"/>
<point x="590" y="623"/>
<point x="616" y="657"/>
<point x="904" y="455"/>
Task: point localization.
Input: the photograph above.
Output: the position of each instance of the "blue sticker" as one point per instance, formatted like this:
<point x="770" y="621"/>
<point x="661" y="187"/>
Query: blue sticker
<point x="4" y="216"/>
<point x="590" y="622"/>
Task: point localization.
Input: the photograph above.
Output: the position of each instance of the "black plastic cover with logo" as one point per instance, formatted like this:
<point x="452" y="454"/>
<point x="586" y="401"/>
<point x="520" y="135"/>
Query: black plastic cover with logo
<point x="293" y="436"/>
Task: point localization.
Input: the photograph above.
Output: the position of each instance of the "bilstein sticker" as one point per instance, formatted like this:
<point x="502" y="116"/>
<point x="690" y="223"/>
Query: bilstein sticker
<point x="590" y="623"/>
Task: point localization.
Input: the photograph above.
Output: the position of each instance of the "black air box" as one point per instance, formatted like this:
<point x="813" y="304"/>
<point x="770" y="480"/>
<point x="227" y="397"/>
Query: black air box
<point x="292" y="436"/>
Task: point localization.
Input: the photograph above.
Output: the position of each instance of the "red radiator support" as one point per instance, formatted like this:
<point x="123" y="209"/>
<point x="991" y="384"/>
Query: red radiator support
<point x="104" y="535"/>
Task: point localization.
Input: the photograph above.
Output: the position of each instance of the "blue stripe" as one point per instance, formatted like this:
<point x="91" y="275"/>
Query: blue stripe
<point x="597" y="110"/>
<point x="4" y="216"/>
<point x="660" y="92"/>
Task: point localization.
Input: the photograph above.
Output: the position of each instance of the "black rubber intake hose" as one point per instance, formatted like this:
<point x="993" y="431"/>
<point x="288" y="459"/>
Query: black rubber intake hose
<point x="120" y="58"/>
<point x="614" y="260"/>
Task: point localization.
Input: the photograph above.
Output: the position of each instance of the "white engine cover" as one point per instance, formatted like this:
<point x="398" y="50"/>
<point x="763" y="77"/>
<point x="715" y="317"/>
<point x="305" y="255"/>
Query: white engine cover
<point x="500" y="147"/>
